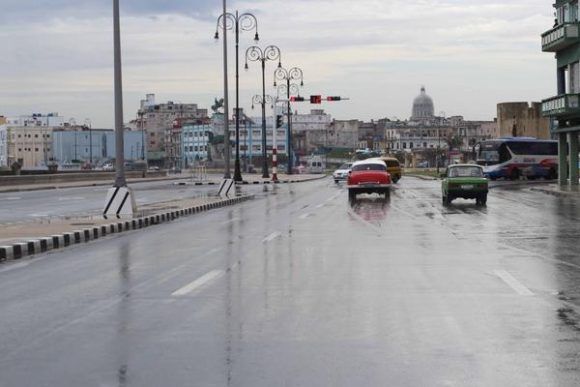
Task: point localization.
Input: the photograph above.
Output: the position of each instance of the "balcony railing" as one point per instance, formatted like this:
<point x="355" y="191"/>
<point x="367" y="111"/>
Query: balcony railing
<point x="560" y="37"/>
<point x="565" y="105"/>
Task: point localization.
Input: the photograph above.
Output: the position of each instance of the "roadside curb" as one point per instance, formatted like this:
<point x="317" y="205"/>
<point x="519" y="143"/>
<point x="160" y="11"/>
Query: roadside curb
<point x="58" y="241"/>
<point x="561" y="194"/>
<point x="422" y="177"/>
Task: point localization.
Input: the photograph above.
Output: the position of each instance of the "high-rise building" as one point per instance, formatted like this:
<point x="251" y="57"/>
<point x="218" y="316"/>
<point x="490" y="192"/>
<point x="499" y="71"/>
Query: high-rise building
<point x="563" y="109"/>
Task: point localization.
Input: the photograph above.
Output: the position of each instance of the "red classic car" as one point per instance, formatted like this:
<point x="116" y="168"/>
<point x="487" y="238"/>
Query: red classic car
<point x="368" y="176"/>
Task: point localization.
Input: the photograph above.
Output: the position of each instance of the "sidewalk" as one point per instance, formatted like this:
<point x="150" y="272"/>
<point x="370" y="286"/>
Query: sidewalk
<point x="555" y="190"/>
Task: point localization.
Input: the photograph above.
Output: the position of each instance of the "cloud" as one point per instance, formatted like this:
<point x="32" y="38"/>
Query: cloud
<point x="39" y="11"/>
<point x="470" y="54"/>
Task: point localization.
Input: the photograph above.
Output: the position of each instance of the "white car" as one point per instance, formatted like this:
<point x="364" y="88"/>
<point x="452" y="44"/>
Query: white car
<point x="342" y="172"/>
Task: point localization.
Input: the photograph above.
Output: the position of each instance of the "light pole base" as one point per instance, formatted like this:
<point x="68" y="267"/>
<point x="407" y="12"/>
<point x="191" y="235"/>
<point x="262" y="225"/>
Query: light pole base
<point x="120" y="202"/>
<point x="237" y="171"/>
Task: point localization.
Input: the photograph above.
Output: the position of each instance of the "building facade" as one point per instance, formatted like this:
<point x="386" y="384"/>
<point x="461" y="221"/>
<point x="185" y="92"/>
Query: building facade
<point x="310" y="131"/>
<point x="157" y="119"/>
<point x="520" y="119"/>
<point x="79" y="145"/>
<point x="3" y="146"/>
<point x="563" y="109"/>
<point x="36" y="119"/>
<point x="195" y="144"/>
<point x="29" y="146"/>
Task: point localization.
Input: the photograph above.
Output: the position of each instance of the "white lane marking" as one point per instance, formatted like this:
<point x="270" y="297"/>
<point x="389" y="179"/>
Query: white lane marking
<point x="231" y="221"/>
<point x="198" y="283"/>
<point x="320" y="205"/>
<point x="14" y="267"/>
<point x="70" y="198"/>
<point x="306" y="215"/>
<point x="513" y="283"/>
<point x="271" y="237"/>
<point x="12" y="198"/>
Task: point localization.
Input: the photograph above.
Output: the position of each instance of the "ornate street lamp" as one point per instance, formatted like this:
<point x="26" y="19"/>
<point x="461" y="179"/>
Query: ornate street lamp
<point x="237" y="22"/>
<point x="294" y="74"/>
<point x="255" y="54"/>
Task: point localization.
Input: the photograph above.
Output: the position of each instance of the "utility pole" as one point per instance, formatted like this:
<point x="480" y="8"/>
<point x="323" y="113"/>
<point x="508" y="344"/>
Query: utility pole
<point x="120" y="199"/>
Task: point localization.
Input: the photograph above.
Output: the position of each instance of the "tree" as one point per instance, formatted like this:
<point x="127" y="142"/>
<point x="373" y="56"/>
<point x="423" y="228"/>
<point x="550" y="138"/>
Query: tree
<point x="218" y="104"/>
<point x="454" y="141"/>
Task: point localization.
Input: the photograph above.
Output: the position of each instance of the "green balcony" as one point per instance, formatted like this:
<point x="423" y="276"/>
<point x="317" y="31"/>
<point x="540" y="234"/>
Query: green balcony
<point x="560" y="37"/>
<point x="562" y="106"/>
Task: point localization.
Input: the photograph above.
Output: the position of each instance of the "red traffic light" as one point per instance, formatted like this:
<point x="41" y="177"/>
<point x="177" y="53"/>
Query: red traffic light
<point x="315" y="99"/>
<point x="296" y="99"/>
<point x="333" y="98"/>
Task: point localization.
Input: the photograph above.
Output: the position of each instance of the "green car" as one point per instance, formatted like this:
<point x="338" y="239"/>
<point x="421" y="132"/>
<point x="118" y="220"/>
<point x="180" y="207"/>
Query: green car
<point x="464" y="181"/>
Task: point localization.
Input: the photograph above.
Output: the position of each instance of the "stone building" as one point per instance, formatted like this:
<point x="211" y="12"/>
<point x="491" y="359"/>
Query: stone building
<point x="158" y="120"/>
<point x="520" y="119"/>
<point x="29" y="146"/>
<point x="423" y="107"/>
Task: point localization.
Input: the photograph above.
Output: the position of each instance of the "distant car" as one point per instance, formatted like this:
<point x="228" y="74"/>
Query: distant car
<point x="342" y="172"/>
<point x="368" y="176"/>
<point x="393" y="167"/>
<point x="464" y="181"/>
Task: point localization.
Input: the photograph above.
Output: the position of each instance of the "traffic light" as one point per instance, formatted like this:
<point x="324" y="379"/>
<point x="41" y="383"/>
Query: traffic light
<point x="316" y="99"/>
<point x="296" y="99"/>
<point x="279" y="119"/>
<point x="333" y="98"/>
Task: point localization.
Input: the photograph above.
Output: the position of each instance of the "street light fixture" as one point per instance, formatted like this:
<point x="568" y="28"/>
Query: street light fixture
<point x="255" y="54"/>
<point x="294" y="74"/>
<point x="237" y="22"/>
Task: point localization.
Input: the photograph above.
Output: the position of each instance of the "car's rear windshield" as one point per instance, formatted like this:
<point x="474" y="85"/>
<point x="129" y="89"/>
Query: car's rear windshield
<point x="345" y="166"/>
<point x="465" y="172"/>
<point x="392" y="163"/>
<point x="369" y="167"/>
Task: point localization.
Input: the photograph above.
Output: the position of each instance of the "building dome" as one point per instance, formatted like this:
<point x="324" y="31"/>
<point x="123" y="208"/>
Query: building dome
<point x="423" y="106"/>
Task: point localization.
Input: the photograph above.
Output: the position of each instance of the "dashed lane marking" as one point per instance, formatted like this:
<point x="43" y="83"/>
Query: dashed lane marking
<point x="304" y="216"/>
<point x="202" y="281"/>
<point x="271" y="237"/>
<point x="230" y="221"/>
<point x="513" y="283"/>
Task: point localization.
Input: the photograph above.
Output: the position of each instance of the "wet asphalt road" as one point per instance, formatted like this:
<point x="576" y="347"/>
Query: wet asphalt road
<point x="300" y="288"/>
<point x="30" y="205"/>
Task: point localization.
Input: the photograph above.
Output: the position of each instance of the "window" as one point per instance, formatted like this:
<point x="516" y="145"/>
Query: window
<point x="369" y="167"/>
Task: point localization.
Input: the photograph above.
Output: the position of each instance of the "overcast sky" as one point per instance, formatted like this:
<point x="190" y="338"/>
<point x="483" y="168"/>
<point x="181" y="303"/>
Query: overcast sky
<point x="470" y="54"/>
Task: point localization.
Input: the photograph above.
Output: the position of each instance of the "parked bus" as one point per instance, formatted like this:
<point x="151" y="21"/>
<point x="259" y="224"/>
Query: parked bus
<point x="512" y="157"/>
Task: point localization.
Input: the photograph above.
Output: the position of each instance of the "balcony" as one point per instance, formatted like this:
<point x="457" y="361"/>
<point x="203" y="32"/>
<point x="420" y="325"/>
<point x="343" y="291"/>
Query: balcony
<point x="562" y="106"/>
<point x="560" y="37"/>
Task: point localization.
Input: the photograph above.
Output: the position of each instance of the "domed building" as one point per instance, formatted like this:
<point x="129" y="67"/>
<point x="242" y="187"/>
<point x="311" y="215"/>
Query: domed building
<point x="423" y="108"/>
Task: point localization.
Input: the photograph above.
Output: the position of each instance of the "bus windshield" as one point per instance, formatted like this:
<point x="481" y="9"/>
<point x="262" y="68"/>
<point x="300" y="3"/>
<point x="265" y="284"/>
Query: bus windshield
<point x="488" y="153"/>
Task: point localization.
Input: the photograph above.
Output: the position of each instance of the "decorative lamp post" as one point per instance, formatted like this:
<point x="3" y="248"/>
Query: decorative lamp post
<point x="255" y="54"/>
<point x="237" y="22"/>
<point x="294" y="74"/>
<point x="263" y="100"/>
